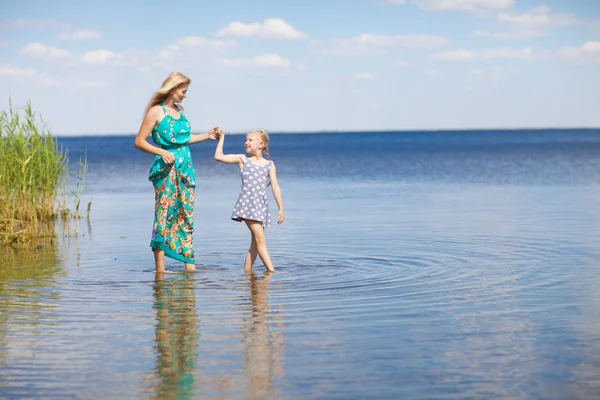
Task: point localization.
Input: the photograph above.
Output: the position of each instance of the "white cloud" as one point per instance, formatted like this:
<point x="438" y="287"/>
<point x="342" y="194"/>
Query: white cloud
<point x="455" y="55"/>
<point x="490" y="54"/>
<point x="101" y="56"/>
<point x="464" y="5"/>
<point x="84" y="34"/>
<point x="395" y="2"/>
<point x="534" y="23"/>
<point x="509" y="34"/>
<point x="493" y="73"/>
<point x="266" y="60"/>
<point x="31" y="74"/>
<point x="194" y="42"/>
<point x="8" y="71"/>
<point x="40" y="50"/>
<point x="401" y="64"/>
<point x="3" y="43"/>
<point x="591" y="47"/>
<point x="587" y="51"/>
<point x="511" y="54"/>
<point x="22" y="23"/>
<point x="90" y="84"/>
<point x="364" y="76"/>
<point x="539" y="17"/>
<point x="49" y="81"/>
<point x="369" y="44"/>
<point x="275" y="28"/>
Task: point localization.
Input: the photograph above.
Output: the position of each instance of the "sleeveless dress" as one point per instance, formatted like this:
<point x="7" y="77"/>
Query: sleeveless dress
<point x="252" y="203"/>
<point x="174" y="187"/>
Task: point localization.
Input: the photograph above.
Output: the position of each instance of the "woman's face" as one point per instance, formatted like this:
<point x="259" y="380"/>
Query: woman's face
<point x="180" y="93"/>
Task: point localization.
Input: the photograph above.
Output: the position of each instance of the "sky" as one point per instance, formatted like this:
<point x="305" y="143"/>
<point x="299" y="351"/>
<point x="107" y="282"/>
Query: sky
<point x="306" y="65"/>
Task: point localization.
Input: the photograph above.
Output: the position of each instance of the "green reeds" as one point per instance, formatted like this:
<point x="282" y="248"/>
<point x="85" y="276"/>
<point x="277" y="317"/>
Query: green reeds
<point x="33" y="171"/>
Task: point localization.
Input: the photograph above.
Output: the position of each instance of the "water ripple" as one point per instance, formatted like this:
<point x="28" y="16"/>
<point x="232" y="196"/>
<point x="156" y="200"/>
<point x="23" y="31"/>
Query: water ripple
<point x="377" y="307"/>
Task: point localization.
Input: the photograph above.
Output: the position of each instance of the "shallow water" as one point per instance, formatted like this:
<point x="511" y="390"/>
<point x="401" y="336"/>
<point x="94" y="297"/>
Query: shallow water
<point x="455" y="286"/>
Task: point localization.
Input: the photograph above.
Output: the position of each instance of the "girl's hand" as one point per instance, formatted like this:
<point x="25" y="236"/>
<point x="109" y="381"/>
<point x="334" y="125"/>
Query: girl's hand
<point x="280" y="217"/>
<point x="167" y="157"/>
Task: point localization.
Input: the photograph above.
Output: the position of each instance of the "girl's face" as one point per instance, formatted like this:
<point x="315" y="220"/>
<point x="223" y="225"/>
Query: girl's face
<point x="180" y="93"/>
<point x="253" y="144"/>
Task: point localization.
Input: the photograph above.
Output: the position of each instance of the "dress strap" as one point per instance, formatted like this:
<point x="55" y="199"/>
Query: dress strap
<point x="164" y="108"/>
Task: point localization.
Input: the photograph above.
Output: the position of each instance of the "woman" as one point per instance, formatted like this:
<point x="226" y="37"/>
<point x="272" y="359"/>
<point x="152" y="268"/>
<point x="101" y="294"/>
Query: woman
<point x="172" y="172"/>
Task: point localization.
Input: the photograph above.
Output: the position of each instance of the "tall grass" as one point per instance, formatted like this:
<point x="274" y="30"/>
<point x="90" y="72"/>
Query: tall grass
<point x="33" y="172"/>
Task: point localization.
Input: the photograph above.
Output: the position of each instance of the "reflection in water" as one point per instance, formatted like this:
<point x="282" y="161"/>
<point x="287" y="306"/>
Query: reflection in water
<point x="181" y="370"/>
<point x="263" y="342"/>
<point x="27" y="294"/>
<point x="176" y="337"/>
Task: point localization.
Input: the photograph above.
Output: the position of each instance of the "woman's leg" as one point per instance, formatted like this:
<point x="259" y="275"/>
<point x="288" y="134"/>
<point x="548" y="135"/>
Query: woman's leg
<point x="258" y="233"/>
<point x="251" y="255"/>
<point x="159" y="259"/>
<point x="189" y="267"/>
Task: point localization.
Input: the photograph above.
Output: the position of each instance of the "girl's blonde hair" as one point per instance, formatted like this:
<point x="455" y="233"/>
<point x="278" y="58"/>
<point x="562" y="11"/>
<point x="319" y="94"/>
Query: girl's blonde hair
<point x="264" y="136"/>
<point x="169" y="85"/>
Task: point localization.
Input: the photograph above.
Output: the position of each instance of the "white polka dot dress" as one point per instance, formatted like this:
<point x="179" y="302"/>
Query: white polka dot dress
<point x="252" y="204"/>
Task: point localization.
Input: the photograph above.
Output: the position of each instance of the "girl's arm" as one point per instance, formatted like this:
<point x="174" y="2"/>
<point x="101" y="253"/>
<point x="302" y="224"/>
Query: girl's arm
<point x="141" y="140"/>
<point x="227" y="158"/>
<point x="276" y="193"/>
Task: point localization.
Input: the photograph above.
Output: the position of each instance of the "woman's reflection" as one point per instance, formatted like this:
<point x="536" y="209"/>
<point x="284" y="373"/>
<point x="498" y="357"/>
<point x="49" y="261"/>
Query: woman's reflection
<point x="262" y="331"/>
<point x="176" y="336"/>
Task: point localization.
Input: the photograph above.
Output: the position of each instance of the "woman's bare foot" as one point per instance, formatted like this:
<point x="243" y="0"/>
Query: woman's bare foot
<point x="190" y="267"/>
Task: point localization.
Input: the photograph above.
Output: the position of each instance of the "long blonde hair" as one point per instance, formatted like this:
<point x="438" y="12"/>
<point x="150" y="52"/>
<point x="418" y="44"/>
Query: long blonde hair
<point x="169" y="85"/>
<point x="264" y="136"/>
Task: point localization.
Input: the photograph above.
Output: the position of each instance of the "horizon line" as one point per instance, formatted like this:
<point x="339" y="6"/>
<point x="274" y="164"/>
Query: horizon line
<point x="285" y="132"/>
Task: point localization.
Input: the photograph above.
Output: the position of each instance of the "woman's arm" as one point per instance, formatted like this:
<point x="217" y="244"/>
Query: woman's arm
<point x="141" y="140"/>
<point x="227" y="158"/>
<point x="201" y="137"/>
<point x="276" y="193"/>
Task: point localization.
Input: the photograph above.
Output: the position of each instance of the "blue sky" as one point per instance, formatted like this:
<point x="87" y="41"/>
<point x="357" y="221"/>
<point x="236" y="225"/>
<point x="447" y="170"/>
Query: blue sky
<point x="90" y="67"/>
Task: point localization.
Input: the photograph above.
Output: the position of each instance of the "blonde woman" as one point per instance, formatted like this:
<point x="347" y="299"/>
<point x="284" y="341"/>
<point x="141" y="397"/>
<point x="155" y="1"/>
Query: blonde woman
<point x="172" y="172"/>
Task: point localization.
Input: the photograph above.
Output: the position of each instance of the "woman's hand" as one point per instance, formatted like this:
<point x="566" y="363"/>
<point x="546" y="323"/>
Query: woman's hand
<point x="215" y="133"/>
<point x="280" y="217"/>
<point x="167" y="157"/>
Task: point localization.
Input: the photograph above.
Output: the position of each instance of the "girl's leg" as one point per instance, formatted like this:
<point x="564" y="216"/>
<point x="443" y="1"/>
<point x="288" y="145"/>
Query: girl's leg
<point x="258" y="233"/>
<point x="251" y="255"/>
<point x="159" y="259"/>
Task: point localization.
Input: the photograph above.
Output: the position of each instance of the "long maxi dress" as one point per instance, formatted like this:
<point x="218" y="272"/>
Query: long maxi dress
<point x="174" y="187"/>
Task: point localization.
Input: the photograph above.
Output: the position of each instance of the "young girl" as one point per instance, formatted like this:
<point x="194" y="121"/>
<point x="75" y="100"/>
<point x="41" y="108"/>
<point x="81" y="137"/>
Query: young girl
<point x="252" y="206"/>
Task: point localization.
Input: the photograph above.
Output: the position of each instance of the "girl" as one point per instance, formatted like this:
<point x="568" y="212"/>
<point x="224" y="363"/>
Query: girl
<point x="172" y="172"/>
<point x="252" y="206"/>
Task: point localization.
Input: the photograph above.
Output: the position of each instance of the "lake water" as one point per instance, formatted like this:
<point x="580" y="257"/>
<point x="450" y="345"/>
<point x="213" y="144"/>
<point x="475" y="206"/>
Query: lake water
<point x="412" y="265"/>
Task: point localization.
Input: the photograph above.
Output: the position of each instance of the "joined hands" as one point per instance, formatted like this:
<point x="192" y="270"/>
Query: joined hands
<point x="215" y="133"/>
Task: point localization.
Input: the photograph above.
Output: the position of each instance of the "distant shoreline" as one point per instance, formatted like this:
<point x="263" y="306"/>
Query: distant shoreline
<point x="330" y="132"/>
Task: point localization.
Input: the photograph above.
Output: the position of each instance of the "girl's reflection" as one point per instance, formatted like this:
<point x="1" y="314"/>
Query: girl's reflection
<point x="176" y="336"/>
<point x="262" y="331"/>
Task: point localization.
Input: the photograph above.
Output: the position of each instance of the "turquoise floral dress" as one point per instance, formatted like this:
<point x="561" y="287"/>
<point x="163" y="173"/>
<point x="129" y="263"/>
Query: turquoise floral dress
<point x="174" y="187"/>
